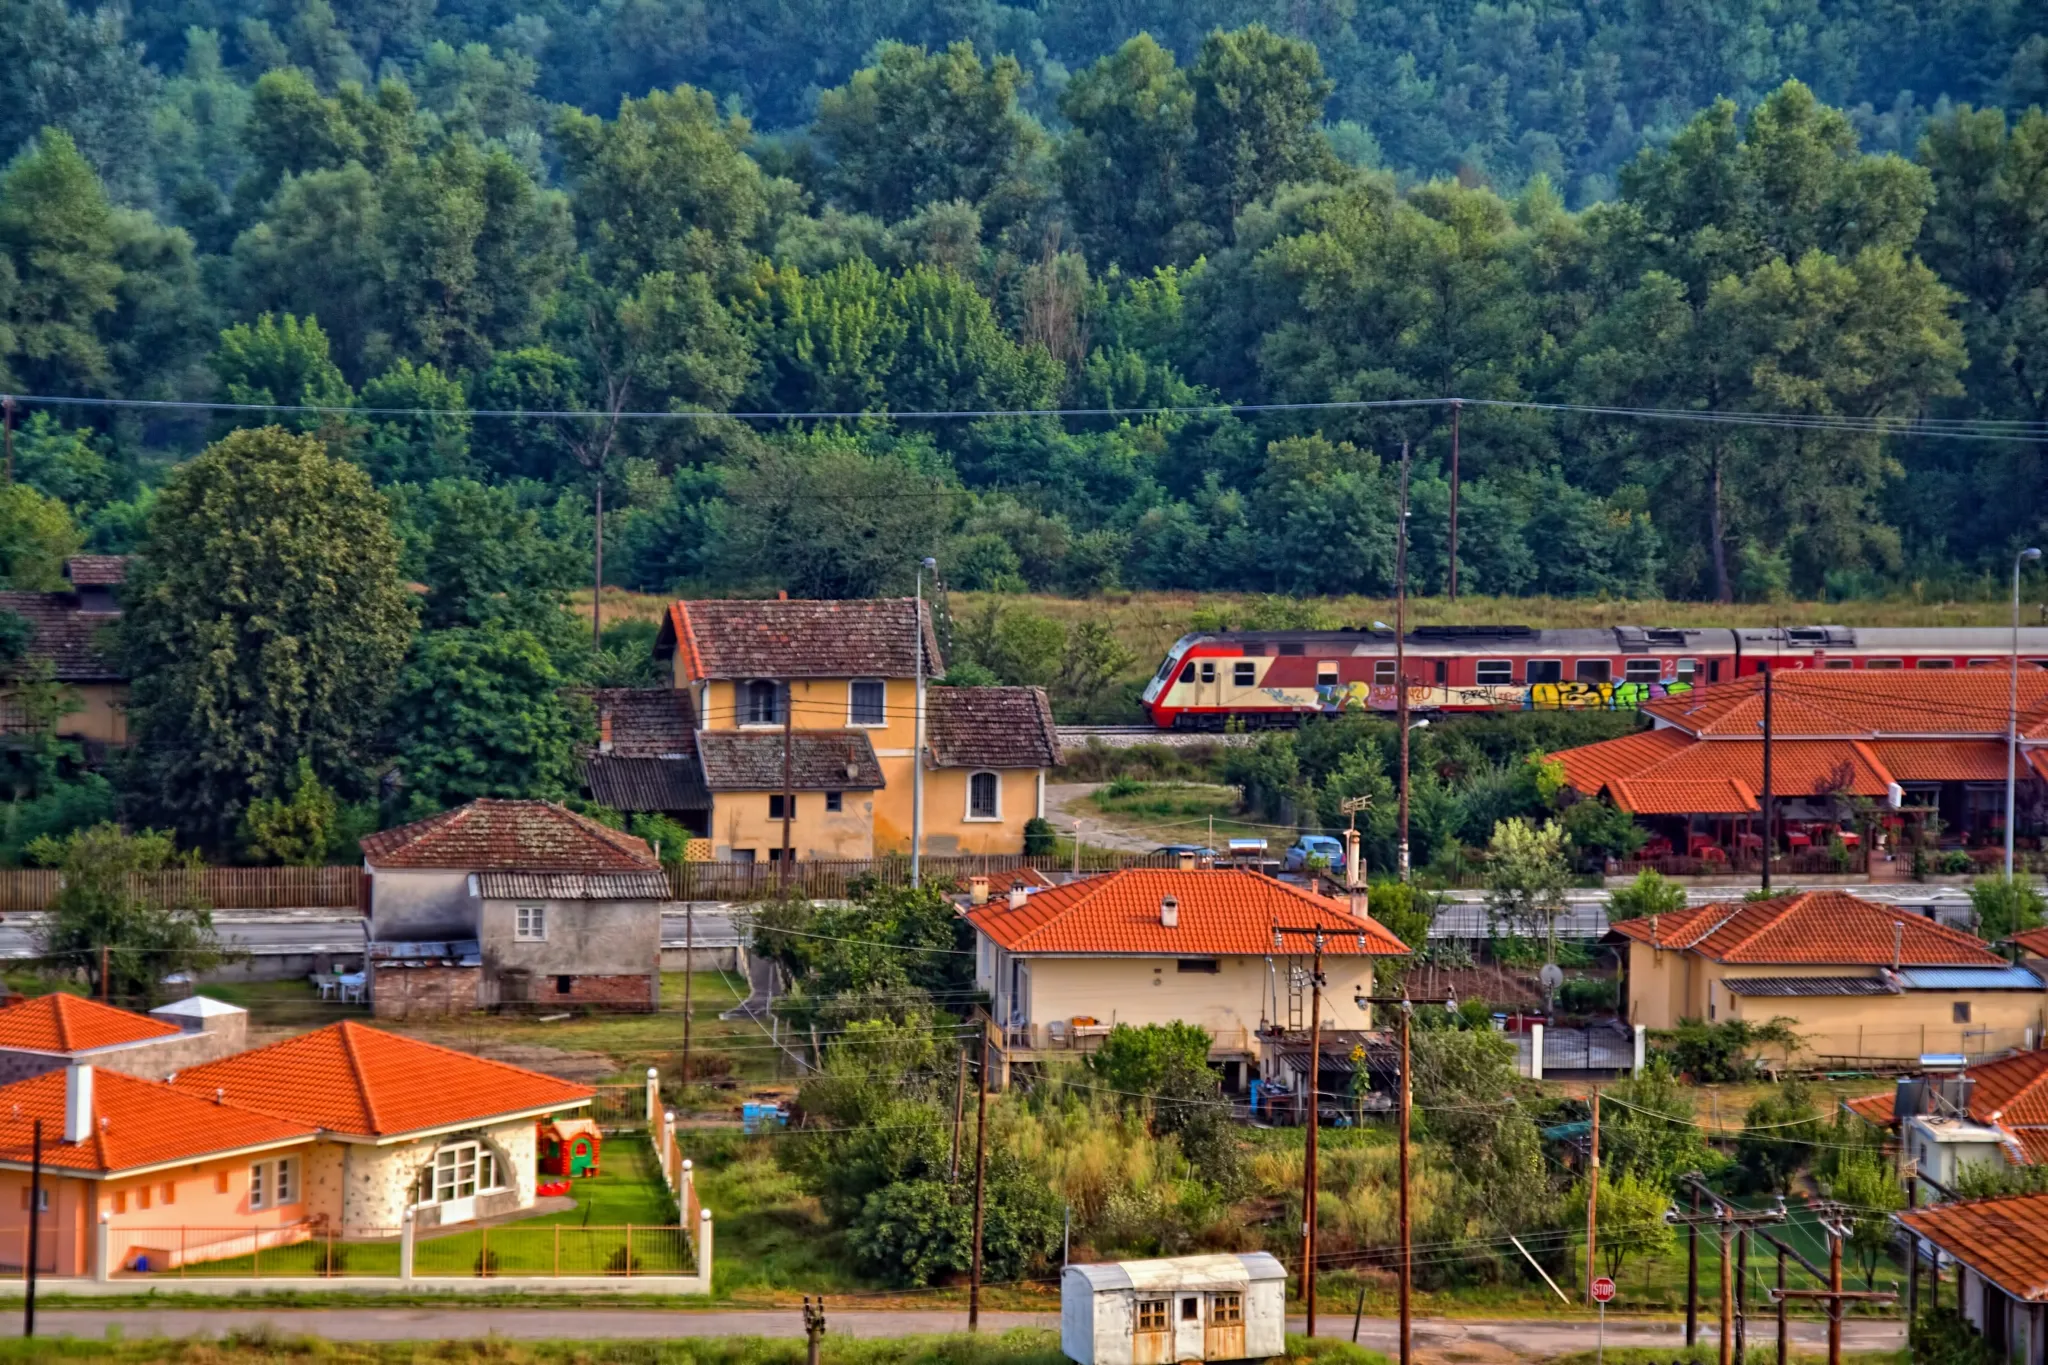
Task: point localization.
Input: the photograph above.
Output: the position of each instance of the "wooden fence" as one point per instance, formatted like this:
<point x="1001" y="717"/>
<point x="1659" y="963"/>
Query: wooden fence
<point x="824" y="879"/>
<point x="220" y="888"/>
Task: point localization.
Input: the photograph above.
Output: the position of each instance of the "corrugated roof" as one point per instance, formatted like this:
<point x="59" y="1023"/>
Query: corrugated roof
<point x="1220" y="913"/>
<point x="644" y="784"/>
<point x="136" y="1123"/>
<point x="574" y="886"/>
<point x="1808" y="985"/>
<point x="69" y="1023"/>
<point x="527" y="836"/>
<point x="1811" y="927"/>
<point x="1968" y="979"/>
<point x="990" y="727"/>
<point x="866" y="638"/>
<point x="2004" y="1239"/>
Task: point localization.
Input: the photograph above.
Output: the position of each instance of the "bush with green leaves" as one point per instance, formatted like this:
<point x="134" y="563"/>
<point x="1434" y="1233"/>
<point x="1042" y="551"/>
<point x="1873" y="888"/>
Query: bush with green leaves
<point x="1651" y="893"/>
<point x="1779" y="1133"/>
<point x="2006" y="906"/>
<point x="1722" y="1051"/>
<point x="124" y="902"/>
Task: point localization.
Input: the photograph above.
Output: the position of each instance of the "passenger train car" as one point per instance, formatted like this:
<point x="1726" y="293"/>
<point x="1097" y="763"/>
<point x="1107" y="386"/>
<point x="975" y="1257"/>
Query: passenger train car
<point x="1275" y="678"/>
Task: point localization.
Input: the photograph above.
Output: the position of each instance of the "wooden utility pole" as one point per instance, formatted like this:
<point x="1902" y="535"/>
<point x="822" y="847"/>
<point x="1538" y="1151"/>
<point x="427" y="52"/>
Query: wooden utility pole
<point x="1401" y="659"/>
<point x="1692" y="1274"/>
<point x="1770" y="807"/>
<point x="980" y="1181"/>
<point x="1834" y="1296"/>
<point x="1315" y="1123"/>
<point x="1729" y="1221"/>
<point x="959" y="1112"/>
<point x="35" y="1224"/>
<point x="814" y="1328"/>
<point x="1452" y="585"/>
<point x="1407" y="1005"/>
<point x="689" y="971"/>
<point x="1592" y="1194"/>
<point x="788" y="787"/>
<point x="1780" y="1297"/>
<point x="103" y="973"/>
<point x="1741" y="1294"/>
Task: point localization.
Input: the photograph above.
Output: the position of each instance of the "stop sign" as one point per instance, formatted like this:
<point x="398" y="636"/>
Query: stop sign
<point x="1603" y="1289"/>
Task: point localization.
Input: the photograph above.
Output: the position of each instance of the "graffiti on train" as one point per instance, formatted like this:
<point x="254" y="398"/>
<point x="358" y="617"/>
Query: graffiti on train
<point x="1557" y="696"/>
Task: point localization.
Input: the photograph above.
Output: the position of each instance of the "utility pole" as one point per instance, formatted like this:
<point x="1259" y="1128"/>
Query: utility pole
<point x="1315" y="1123"/>
<point x="103" y="973"/>
<point x="959" y="1112"/>
<point x="788" y="790"/>
<point x="814" y="1328"/>
<point x="1401" y="657"/>
<point x="689" y="972"/>
<point x="2012" y="713"/>
<point x="1407" y="1287"/>
<point x="1835" y="1221"/>
<point x="1354" y="875"/>
<point x="1692" y="1274"/>
<point x="1592" y="1194"/>
<point x="1780" y="1297"/>
<point x="597" y="573"/>
<point x="35" y="1224"/>
<point x="1770" y="807"/>
<point x="7" y="470"/>
<point x="1456" y="408"/>
<point x="1742" y="1295"/>
<point x="980" y="1181"/>
<point x="1728" y="1220"/>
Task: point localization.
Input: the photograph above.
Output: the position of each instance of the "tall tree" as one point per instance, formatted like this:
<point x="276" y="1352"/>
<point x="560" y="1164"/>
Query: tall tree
<point x="1258" y="112"/>
<point x="58" y="274"/>
<point x="1125" y="169"/>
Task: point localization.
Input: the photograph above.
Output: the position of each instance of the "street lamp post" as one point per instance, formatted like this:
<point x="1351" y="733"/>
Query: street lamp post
<point x="2012" y="715"/>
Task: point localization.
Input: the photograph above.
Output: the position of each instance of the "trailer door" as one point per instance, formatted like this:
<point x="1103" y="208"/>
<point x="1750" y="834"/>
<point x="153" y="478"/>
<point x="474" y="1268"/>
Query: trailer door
<point x="1152" y="1333"/>
<point x="1226" y="1326"/>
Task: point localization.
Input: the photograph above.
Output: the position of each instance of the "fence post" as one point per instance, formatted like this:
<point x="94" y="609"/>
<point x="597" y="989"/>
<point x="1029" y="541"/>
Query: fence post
<point x="686" y="1192"/>
<point x="704" y="1251"/>
<point x="653" y="1096"/>
<point x="102" y="1248"/>
<point x="667" y="1153"/>
<point x="1535" y="1052"/>
<point x="1641" y="1034"/>
<point x="405" y="1247"/>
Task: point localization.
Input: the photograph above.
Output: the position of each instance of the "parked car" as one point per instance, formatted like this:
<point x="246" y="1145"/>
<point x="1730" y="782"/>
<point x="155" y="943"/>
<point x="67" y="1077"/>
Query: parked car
<point x="1175" y="850"/>
<point x="1321" y="846"/>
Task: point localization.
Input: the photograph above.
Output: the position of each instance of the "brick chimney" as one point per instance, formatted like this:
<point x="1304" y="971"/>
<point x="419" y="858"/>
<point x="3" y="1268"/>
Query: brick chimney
<point x="977" y="891"/>
<point x="604" y="731"/>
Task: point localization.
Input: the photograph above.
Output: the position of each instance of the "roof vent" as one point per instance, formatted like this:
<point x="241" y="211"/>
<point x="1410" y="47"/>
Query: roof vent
<point x="1018" y="895"/>
<point x="77" y="1103"/>
<point x="220" y="1094"/>
<point x="1169" y="912"/>
<point x="977" y="891"/>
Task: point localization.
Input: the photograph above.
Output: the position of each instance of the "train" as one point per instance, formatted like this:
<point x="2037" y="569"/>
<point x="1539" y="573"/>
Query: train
<point x="1257" y="679"/>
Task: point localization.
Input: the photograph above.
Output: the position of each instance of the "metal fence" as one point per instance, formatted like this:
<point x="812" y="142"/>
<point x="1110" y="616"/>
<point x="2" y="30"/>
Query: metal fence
<point x="524" y="1249"/>
<point x="555" y="1250"/>
<point x="298" y="1251"/>
<point x="222" y="888"/>
<point x="1812" y="862"/>
<point x="1584" y="1049"/>
<point x="619" y="1106"/>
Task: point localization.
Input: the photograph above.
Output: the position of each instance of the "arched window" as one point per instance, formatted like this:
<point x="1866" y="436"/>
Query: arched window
<point x="984" y="797"/>
<point x="761" y="702"/>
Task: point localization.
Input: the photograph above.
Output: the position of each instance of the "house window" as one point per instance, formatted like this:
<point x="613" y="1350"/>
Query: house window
<point x="220" y="1182"/>
<point x="273" y="1184"/>
<point x="835" y="802"/>
<point x="868" y="702"/>
<point x="170" y="1192"/>
<point x="530" y="924"/>
<point x="259" y="1187"/>
<point x="142" y="1199"/>
<point x="1640" y="670"/>
<point x="1244" y="674"/>
<point x="1543" y="671"/>
<point x="1190" y="1309"/>
<point x="460" y="1171"/>
<point x="1207" y="966"/>
<point x="1226" y="1310"/>
<point x="761" y="702"/>
<point x="984" y="797"/>
<point x="1151" y="1315"/>
<point x="1494" y="672"/>
<point x="121" y="1201"/>
<point x="1962" y="1012"/>
<point x="564" y="985"/>
<point x="1592" y="670"/>
<point x="775" y="806"/>
<point x="287" y="1180"/>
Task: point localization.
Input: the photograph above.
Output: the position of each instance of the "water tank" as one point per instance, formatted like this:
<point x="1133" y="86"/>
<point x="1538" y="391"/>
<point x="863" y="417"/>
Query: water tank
<point x="1911" y="1099"/>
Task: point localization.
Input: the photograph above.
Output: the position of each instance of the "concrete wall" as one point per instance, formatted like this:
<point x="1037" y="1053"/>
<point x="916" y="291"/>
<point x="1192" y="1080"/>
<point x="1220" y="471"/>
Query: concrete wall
<point x="105" y="714"/>
<point x="410" y="904"/>
<point x="377" y="1184"/>
<point x="948" y="829"/>
<point x="610" y="950"/>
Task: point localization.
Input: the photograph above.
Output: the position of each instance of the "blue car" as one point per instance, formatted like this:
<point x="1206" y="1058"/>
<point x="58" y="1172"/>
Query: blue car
<point x="1321" y="846"/>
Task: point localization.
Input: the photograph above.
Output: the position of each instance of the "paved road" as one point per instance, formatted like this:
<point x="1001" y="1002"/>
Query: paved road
<point x="1535" y="1338"/>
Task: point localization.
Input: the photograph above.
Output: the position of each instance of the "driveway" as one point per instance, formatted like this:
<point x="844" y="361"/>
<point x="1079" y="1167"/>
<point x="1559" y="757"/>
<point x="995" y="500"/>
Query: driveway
<point x="1066" y="802"/>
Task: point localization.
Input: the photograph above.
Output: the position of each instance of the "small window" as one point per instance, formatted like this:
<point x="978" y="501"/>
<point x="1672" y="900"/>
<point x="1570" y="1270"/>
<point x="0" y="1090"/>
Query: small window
<point x="1934" y="663"/>
<point x="1243" y="674"/>
<point x="868" y="702"/>
<point x="1494" y="672"/>
<point x="1688" y="669"/>
<point x="775" y="806"/>
<point x="1713" y="670"/>
<point x="743" y="855"/>
<point x="1543" y="671"/>
<point x="121" y="1202"/>
<point x="1190" y="1308"/>
<point x="1207" y="966"/>
<point x="564" y="985"/>
<point x="1287" y="648"/>
<point x="1592" y="670"/>
<point x="761" y="702"/>
<point x="1987" y="663"/>
<point x="170" y="1191"/>
<point x="1226" y="1310"/>
<point x="1208" y="670"/>
<point x="1326" y="675"/>
<point x="984" y="797"/>
<point x="1641" y="670"/>
<point x="259" y="1188"/>
<point x="142" y="1197"/>
<point x="835" y="802"/>
<point x="1882" y="663"/>
<point x="1383" y="674"/>
<point x="486" y="1169"/>
<point x="1442" y="669"/>
<point x="287" y="1180"/>
<point x="1151" y="1315"/>
<point x="1187" y="673"/>
<point x="530" y="924"/>
<point x="1839" y="663"/>
<point x="1962" y="1012"/>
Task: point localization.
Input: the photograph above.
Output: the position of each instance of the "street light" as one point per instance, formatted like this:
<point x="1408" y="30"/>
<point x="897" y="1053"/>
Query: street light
<point x="2012" y="715"/>
<point x="917" y="710"/>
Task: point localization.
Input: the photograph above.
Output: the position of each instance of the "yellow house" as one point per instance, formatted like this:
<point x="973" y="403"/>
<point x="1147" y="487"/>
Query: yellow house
<point x="827" y="701"/>
<point x="1858" y="979"/>
<point x="71" y="630"/>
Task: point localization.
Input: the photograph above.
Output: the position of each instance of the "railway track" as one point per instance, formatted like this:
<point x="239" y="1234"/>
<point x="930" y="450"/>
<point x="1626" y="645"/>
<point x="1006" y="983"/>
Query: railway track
<point x="1125" y="736"/>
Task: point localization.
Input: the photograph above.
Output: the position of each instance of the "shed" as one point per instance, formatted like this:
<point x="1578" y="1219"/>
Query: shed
<point x="569" y="1147"/>
<point x="1219" y="1307"/>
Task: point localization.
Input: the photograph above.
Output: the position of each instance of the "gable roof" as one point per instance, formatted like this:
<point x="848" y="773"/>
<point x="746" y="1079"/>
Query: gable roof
<point x="2033" y="940"/>
<point x="96" y="571"/>
<point x="509" y="836"/>
<point x="351" y="1079"/>
<point x="69" y="1023"/>
<point x="644" y="722"/>
<point x="990" y="727"/>
<point x="780" y="638"/>
<point x="70" y="637"/>
<point x="1810" y="928"/>
<point x="2004" y="1239"/>
<point x="136" y="1124"/>
<point x="819" y="760"/>
<point x="2011" y="1092"/>
<point x="1220" y="912"/>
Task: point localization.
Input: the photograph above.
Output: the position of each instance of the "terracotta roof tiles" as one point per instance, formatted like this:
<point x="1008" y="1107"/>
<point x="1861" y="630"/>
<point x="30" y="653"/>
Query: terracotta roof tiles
<point x="819" y="760"/>
<point x="69" y="1023"/>
<point x="509" y="836"/>
<point x="74" y="640"/>
<point x="1867" y="703"/>
<point x="136" y="1123"/>
<point x="990" y="727"/>
<point x="96" y="571"/>
<point x="2004" y="1239"/>
<point x="866" y="638"/>
<point x="1811" y="928"/>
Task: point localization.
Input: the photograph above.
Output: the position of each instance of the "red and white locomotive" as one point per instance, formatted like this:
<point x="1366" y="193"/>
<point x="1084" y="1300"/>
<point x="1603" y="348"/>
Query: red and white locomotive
<point x="1266" y="678"/>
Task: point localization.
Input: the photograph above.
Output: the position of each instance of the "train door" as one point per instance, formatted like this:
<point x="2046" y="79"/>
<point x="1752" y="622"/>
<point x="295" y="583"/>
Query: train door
<point x="1226" y="1326"/>
<point x="1189" y="1340"/>
<point x="1152" y="1332"/>
<point x="1210" y="691"/>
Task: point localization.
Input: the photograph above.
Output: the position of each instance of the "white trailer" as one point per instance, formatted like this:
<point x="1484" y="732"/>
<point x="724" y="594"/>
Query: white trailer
<point x="1220" y="1307"/>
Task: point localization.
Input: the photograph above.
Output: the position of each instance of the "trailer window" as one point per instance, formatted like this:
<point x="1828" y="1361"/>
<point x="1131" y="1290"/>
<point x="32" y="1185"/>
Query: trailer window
<point x="1286" y="648"/>
<point x="1543" y="671"/>
<point x="1443" y="670"/>
<point x="1640" y="670"/>
<point x="1151" y="1315"/>
<point x="1592" y="670"/>
<point x="1243" y="674"/>
<point x="1494" y="672"/>
<point x="1190" y="1309"/>
<point x="1226" y="1309"/>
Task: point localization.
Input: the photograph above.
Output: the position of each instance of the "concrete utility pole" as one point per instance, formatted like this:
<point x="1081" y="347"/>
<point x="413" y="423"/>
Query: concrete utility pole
<point x="788" y="789"/>
<point x="814" y="1328"/>
<point x="1592" y="1194"/>
<point x="1401" y="655"/>
<point x="917" y="726"/>
<point x="689" y="972"/>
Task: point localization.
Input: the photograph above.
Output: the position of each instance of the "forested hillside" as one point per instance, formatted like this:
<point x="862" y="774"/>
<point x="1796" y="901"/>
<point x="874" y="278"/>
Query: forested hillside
<point x="455" y="227"/>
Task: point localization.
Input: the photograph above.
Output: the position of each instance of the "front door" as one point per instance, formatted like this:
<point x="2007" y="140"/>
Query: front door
<point x="1187" y="1326"/>
<point x="1226" y="1326"/>
<point x="1152" y="1332"/>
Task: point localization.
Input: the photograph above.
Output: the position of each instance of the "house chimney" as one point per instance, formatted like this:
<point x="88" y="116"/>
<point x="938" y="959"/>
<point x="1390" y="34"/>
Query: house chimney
<point x="604" y="731"/>
<point x="1187" y="862"/>
<point x="977" y="891"/>
<point x="77" y="1102"/>
<point x="1169" y="912"/>
<point x="1018" y="895"/>
<point x="782" y="594"/>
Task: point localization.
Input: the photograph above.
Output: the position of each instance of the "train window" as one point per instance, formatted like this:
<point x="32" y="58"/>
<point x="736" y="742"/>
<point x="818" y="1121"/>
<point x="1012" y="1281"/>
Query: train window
<point x="1882" y="663"/>
<point x="1987" y="663"/>
<point x="1443" y="671"/>
<point x="1494" y="672"/>
<point x="1593" y="670"/>
<point x="1838" y="663"/>
<point x="1187" y="674"/>
<point x="1688" y="669"/>
<point x="1641" y="670"/>
<point x="1208" y="671"/>
<point x="1383" y="672"/>
<point x="1713" y="670"/>
<point x="1243" y="674"/>
<point x="1543" y="671"/>
<point x="1287" y="648"/>
<point x="1255" y="651"/>
<point x="1934" y="663"/>
<point x="1326" y="675"/>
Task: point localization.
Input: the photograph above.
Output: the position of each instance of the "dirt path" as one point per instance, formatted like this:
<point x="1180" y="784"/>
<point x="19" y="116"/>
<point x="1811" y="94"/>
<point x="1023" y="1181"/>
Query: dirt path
<point x="1066" y="802"/>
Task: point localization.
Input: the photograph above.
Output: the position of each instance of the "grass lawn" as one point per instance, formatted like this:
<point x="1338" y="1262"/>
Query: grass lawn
<point x="770" y="1235"/>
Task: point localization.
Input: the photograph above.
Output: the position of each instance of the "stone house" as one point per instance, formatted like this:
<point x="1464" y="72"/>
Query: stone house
<point x="511" y="904"/>
<point x="46" y="1033"/>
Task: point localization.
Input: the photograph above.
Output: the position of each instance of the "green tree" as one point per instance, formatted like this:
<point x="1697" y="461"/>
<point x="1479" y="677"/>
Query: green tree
<point x="1526" y="878"/>
<point x="296" y="829"/>
<point x="1135" y="1060"/>
<point x="264" y="622"/>
<point x="1649" y="1132"/>
<point x="484" y="558"/>
<point x="1408" y="911"/>
<point x="1651" y="893"/>
<point x="1258" y="112"/>
<point x="1779" y="1131"/>
<point x="59" y="279"/>
<point x="123" y="893"/>
<point x="280" y="359"/>
<point x="431" y="441"/>
<point x="36" y="537"/>
<point x="1629" y="1218"/>
<point x="479" y="711"/>
<point x="2006" y="905"/>
<point x="1867" y="1185"/>
<point x="64" y="463"/>
<point x="1124" y="170"/>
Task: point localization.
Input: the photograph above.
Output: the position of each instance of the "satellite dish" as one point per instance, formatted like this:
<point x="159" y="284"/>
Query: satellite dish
<point x="1552" y="976"/>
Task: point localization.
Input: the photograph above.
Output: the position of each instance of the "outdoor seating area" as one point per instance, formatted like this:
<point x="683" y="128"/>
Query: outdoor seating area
<point x="350" y="988"/>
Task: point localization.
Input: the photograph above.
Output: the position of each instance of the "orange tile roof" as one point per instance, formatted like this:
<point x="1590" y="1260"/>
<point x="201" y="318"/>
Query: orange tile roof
<point x="71" y="1023"/>
<point x="2033" y="940"/>
<point x="1223" y="912"/>
<point x="136" y="1123"/>
<point x="1811" y="928"/>
<point x="1666" y="772"/>
<point x="2011" y="1092"/>
<point x="1956" y="760"/>
<point x="1875" y="1108"/>
<point x="510" y="836"/>
<point x="1861" y="703"/>
<point x="352" y="1079"/>
<point x="2003" y="1239"/>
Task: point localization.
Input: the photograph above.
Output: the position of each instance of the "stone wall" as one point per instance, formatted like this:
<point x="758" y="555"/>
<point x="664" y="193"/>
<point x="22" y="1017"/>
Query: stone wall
<point x="152" y="1059"/>
<point x="409" y="992"/>
<point x="612" y="992"/>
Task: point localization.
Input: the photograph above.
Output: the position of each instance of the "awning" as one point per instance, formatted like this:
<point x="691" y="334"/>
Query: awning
<point x="1779" y="986"/>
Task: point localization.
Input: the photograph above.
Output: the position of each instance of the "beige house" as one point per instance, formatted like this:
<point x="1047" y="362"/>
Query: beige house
<point x="1859" y="980"/>
<point x="72" y="629"/>
<point x="1064" y="965"/>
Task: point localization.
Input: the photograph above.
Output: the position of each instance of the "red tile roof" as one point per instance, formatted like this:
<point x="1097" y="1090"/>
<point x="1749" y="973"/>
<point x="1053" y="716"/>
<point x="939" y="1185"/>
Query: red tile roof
<point x="1225" y="913"/>
<point x="1957" y="760"/>
<point x="1811" y="928"/>
<point x="136" y="1123"/>
<point x="1665" y="772"/>
<point x="2034" y="941"/>
<point x="1865" y="704"/>
<point x="990" y="727"/>
<point x="352" y="1079"/>
<point x="75" y="641"/>
<point x="865" y="638"/>
<point x="97" y="571"/>
<point x="2004" y="1239"/>
<point x="2011" y="1092"/>
<point x="510" y="836"/>
<point x="71" y="1023"/>
<point x="1876" y="1108"/>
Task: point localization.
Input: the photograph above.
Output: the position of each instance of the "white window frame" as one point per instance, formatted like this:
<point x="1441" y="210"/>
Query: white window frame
<point x="996" y="779"/>
<point x="1506" y="668"/>
<point x="530" y="924"/>
<point x="259" y="1185"/>
<point x="445" y="1170"/>
<point x="853" y="719"/>
<point x="1530" y="664"/>
<point x="1383" y="673"/>
<point x="285" y="1185"/>
<point x="1687" y="672"/>
<point x="746" y="702"/>
<point x="1632" y="670"/>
